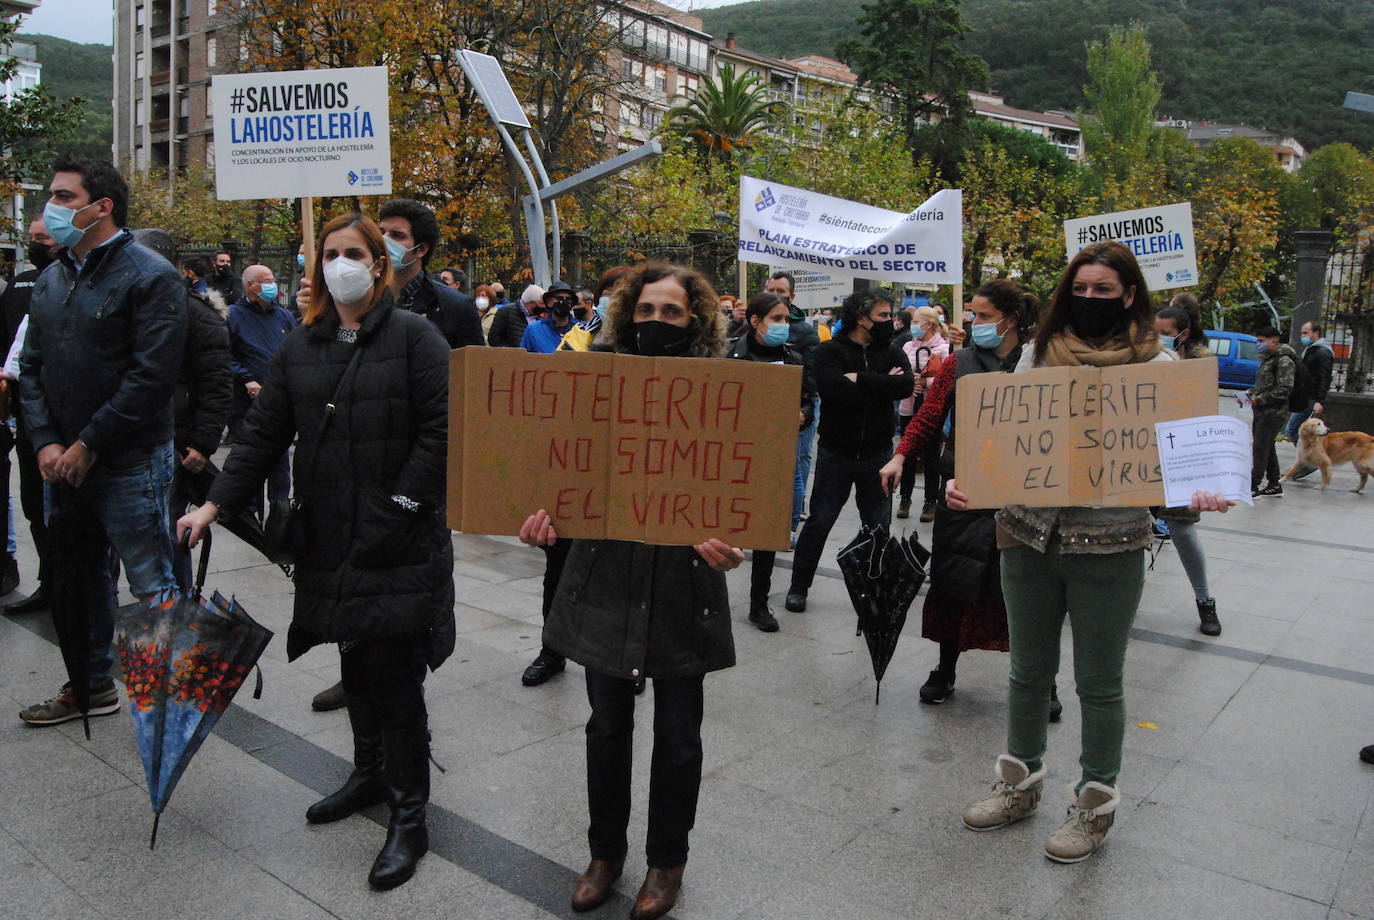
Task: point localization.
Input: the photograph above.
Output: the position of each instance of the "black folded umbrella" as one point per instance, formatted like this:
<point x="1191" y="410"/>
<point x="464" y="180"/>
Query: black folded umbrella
<point x="883" y="574"/>
<point x="78" y="553"/>
<point x="245" y="526"/>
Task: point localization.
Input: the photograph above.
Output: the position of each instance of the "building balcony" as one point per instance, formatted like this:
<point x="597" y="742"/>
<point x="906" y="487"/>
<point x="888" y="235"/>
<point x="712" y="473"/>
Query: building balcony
<point x="161" y="28"/>
<point x="160" y="77"/>
<point x="160" y="125"/>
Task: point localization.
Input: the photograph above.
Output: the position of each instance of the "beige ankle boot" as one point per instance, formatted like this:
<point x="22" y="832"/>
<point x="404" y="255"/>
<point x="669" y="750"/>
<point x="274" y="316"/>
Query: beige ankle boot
<point x="1015" y="795"/>
<point x="1090" y="817"/>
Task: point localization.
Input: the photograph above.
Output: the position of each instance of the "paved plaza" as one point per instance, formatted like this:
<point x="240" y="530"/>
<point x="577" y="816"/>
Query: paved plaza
<point x="1242" y="793"/>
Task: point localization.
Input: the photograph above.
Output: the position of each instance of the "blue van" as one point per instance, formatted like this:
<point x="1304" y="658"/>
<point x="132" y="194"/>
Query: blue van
<point x="1237" y="358"/>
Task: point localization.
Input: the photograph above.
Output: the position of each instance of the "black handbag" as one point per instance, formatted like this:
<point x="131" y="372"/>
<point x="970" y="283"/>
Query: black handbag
<point x="284" y="530"/>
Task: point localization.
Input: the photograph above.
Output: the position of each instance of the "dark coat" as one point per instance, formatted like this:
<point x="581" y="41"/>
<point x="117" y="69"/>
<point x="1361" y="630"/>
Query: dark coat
<point x="371" y="568"/>
<point x="858" y="418"/>
<point x="632" y="610"/>
<point x="1319" y="360"/>
<point x="206" y="385"/>
<point x="452" y="312"/>
<point x="508" y="327"/>
<point x="103" y="349"/>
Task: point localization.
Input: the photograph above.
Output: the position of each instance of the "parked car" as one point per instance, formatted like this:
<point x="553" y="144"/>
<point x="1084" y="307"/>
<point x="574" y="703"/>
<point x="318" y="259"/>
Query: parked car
<point x="1237" y="358"/>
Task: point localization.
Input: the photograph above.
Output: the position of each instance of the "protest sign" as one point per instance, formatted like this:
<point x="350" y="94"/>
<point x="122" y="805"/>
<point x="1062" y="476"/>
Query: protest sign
<point x="1210" y="453"/>
<point x="1073" y="435"/>
<point x="816" y="290"/>
<point x="668" y="451"/>
<point x="1161" y="239"/>
<point x="794" y="228"/>
<point x="302" y="133"/>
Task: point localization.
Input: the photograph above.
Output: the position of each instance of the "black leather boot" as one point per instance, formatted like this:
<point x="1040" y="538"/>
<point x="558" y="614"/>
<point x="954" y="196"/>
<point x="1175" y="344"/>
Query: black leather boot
<point x="364" y="785"/>
<point x="405" y="772"/>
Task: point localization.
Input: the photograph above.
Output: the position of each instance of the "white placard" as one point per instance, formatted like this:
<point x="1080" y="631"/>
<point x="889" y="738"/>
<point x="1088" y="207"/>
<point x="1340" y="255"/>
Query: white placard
<point x="1161" y="238"/>
<point x="816" y="290"/>
<point x="302" y="134"/>
<point x="1210" y="453"/>
<point x="794" y="228"/>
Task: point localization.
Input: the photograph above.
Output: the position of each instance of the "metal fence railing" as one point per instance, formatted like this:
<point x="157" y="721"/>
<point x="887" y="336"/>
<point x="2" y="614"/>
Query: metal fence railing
<point x="1348" y="318"/>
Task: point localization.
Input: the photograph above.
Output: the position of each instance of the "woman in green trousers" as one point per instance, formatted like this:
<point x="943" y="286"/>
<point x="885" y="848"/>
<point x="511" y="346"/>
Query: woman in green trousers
<point x="1083" y="563"/>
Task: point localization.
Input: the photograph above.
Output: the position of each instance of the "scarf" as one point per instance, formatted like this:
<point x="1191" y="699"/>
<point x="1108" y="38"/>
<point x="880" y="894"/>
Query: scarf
<point x="1067" y="350"/>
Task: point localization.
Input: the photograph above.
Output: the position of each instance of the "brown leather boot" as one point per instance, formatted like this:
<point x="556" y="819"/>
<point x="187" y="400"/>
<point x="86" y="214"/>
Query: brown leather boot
<point x="658" y="894"/>
<point x="594" y="887"/>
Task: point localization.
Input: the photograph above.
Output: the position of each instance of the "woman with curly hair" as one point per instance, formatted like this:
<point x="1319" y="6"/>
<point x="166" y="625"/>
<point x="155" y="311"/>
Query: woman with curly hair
<point x="627" y="611"/>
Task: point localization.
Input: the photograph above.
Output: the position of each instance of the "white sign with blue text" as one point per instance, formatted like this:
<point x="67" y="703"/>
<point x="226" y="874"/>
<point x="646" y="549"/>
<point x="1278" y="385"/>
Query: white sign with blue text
<point x="1161" y="239"/>
<point x="302" y="134"/>
<point x="793" y="228"/>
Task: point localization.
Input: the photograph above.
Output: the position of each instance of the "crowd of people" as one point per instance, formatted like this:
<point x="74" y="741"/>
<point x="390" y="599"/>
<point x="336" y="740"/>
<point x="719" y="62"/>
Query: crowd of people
<point x="132" y="364"/>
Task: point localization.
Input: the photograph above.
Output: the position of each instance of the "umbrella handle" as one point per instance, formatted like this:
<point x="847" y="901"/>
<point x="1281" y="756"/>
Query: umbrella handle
<point x="204" y="565"/>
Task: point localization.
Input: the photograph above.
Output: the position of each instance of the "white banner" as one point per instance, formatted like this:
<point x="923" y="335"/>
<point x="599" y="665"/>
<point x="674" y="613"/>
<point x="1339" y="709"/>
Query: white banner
<point x="816" y="290"/>
<point x="1161" y="238"/>
<point x="794" y="228"/>
<point x="302" y="134"/>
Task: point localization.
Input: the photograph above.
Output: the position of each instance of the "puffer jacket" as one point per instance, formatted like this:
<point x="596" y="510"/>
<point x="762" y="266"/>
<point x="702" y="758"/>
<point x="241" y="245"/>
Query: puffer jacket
<point x="206" y="384"/>
<point x="632" y="610"/>
<point x="370" y="568"/>
<point x="103" y="349"/>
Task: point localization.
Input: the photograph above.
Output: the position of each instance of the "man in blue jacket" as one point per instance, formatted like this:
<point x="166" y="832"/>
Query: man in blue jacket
<point x="257" y="328"/>
<point x="107" y="323"/>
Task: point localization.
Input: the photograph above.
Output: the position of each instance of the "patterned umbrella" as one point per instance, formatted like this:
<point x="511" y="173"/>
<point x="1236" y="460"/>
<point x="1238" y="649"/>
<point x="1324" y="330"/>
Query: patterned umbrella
<point x="244" y="525"/>
<point x="883" y="574"/>
<point x="183" y="662"/>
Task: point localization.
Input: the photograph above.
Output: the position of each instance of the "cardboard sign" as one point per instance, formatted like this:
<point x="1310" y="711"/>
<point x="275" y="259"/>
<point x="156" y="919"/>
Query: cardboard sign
<point x="667" y="451"/>
<point x="1073" y="435"/>
<point x="793" y="228"/>
<point x="1161" y="239"/>
<point x="302" y="133"/>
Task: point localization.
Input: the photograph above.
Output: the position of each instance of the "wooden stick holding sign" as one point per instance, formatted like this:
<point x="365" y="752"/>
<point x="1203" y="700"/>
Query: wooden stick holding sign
<point x="1073" y="435"/>
<point x="308" y="234"/>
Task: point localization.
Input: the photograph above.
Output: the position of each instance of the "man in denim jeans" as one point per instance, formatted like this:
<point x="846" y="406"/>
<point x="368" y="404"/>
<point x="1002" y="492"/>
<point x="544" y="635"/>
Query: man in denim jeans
<point x="106" y="330"/>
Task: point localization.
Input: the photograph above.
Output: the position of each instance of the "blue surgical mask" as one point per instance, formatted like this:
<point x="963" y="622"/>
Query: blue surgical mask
<point x="776" y="334"/>
<point x="398" y="253"/>
<point x="58" y="221"/>
<point x="300" y="261"/>
<point x="985" y="335"/>
<point x="1261" y="347"/>
<point x="602" y="305"/>
<point x="1306" y="340"/>
<point x="269" y="292"/>
<point x="1169" y="342"/>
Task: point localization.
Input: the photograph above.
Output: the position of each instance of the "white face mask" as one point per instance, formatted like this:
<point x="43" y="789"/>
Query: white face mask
<point x="349" y="282"/>
<point x="483" y="303"/>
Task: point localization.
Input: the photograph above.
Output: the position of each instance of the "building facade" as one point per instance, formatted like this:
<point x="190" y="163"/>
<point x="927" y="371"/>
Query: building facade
<point x="1203" y="134"/>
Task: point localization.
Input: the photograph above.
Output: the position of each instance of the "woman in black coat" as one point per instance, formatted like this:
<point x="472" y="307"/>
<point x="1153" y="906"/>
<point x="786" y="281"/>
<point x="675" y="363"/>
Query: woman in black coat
<point x="766" y="327"/>
<point x="374" y="571"/>
<point x="627" y="610"/>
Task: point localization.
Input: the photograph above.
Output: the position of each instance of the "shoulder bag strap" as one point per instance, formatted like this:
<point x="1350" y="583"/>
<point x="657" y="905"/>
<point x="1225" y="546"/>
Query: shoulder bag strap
<point x="330" y="408"/>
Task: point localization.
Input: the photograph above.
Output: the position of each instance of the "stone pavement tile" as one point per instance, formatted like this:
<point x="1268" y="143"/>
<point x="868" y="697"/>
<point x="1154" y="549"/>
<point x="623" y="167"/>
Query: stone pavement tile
<point x="1243" y="629"/>
<point x="1342" y="915"/>
<point x="46" y="769"/>
<point x="1211" y="679"/>
<point x="807" y="900"/>
<point x="227" y="888"/>
<point x="468" y="619"/>
<point x="240" y="801"/>
<point x="1355" y="893"/>
<point x="732" y="731"/>
<point x="1364" y="837"/>
<point x="1331" y="638"/>
<point x="99" y="846"/>
<point x="1171" y="724"/>
<point x="475" y="662"/>
<point x="778" y="829"/>
<point x="328" y="865"/>
<point x="30" y="665"/>
<point x="1254" y="854"/>
<point x="473" y="726"/>
<point x="509" y="636"/>
<point x="287" y="691"/>
<point x="809" y="671"/>
<point x="30" y="890"/>
<point x="536" y="808"/>
<point x="489" y="902"/>
<point x="563" y="697"/>
<point x="1125" y="881"/>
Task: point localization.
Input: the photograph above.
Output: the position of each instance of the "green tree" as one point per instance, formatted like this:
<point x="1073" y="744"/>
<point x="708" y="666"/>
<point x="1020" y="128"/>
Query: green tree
<point x="1236" y="216"/>
<point x="912" y="53"/>
<point x="1338" y="187"/>
<point x="725" y="114"/>
<point x="1118" y="123"/>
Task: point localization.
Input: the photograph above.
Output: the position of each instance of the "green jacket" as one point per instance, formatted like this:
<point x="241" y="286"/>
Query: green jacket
<point x="1274" y="380"/>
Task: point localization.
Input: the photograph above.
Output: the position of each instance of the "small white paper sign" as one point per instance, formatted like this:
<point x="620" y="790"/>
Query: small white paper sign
<point x="1210" y="453"/>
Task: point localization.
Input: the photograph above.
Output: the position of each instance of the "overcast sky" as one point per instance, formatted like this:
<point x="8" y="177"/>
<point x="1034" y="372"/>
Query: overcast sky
<point x="91" y="21"/>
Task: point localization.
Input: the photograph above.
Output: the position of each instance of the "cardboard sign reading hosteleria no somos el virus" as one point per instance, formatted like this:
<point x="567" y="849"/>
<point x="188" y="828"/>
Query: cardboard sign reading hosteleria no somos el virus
<point x="667" y="451"/>
<point x="1067" y="436"/>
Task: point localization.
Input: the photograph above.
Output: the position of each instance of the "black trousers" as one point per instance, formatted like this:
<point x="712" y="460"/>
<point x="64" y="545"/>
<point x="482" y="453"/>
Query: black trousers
<point x="761" y="576"/>
<point x="31" y="499"/>
<point x="389" y="674"/>
<point x="674" y="775"/>
<point x="1264" y="461"/>
<point x="836" y="474"/>
<point x="930" y="459"/>
<point x="555" y="557"/>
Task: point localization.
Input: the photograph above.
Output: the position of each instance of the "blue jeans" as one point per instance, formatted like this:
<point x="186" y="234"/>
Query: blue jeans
<point x="836" y="473"/>
<point x="1296" y="419"/>
<point x="127" y="493"/>
<point x="805" y="438"/>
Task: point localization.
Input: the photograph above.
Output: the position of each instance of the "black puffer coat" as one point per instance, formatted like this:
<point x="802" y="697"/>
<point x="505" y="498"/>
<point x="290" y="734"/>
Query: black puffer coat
<point x="631" y="610"/>
<point x="371" y="568"/>
<point x="205" y="386"/>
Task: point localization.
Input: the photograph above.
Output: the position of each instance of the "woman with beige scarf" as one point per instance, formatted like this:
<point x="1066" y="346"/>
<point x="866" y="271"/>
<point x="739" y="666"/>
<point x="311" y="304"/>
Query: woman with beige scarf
<point x="1086" y="563"/>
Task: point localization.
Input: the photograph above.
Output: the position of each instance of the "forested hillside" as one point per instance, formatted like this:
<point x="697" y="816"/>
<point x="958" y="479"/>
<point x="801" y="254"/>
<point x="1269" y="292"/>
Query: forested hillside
<point x="70" y="70"/>
<point x="1285" y="67"/>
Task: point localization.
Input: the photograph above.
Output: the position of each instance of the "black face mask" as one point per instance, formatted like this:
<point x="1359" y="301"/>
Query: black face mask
<point x="882" y="333"/>
<point x="655" y="339"/>
<point x="1096" y="317"/>
<point x="222" y="270"/>
<point x="560" y="310"/>
<point x="40" y="255"/>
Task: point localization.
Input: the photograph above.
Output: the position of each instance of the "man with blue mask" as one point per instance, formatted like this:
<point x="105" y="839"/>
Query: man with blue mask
<point x="107" y="324"/>
<point x="258" y="325"/>
<point x="1318" y="359"/>
<point x="412" y="234"/>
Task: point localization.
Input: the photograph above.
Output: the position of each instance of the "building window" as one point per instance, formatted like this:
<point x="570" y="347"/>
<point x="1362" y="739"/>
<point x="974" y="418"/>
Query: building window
<point x="697" y="51"/>
<point x="688" y="85"/>
<point x="184" y="107"/>
<point x="210" y="155"/>
<point x="140" y="66"/>
<point x="210" y="49"/>
<point x="632" y="70"/>
<point x="138" y="112"/>
<point x="652" y="118"/>
<point x="658" y="80"/>
<point x="211" y="7"/>
<point x="138" y="17"/>
<point x="209" y="104"/>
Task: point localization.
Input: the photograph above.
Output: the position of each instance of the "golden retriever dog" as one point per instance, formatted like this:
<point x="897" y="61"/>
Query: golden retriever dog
<point x="1323" y="449"/>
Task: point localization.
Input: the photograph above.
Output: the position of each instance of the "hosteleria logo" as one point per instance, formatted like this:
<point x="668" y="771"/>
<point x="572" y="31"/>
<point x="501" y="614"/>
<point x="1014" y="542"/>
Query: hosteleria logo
<point x="764" y="200"/>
